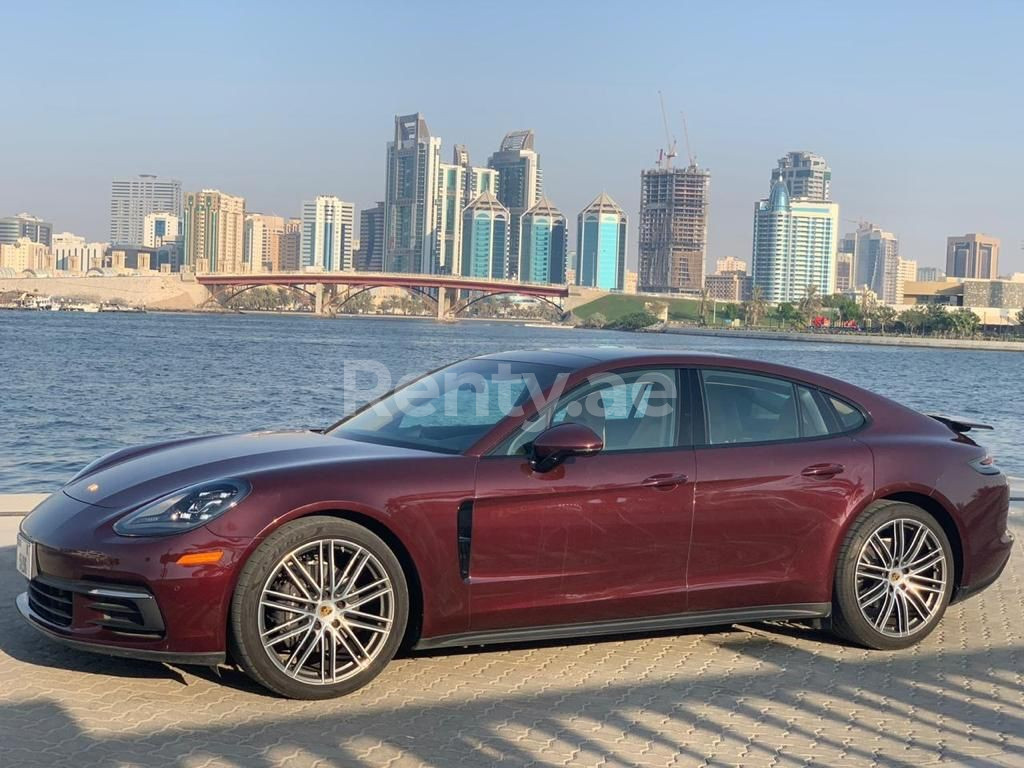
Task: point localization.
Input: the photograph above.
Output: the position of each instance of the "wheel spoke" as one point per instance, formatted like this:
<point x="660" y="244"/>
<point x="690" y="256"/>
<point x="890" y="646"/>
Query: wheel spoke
<point x="310" y="581"/>
<point x="352" y="646"/>
<point x="914" y="548"/>
<point x="280" y="628"/>
<point x="885" y="612"/>
<point x="917" y="604"/>
<point x="926" y="562"/>
<point x="370" y="592"/>
<point x="874" y="595"/>
<point x="881" y="549"/>
<point x="353" y="570"/>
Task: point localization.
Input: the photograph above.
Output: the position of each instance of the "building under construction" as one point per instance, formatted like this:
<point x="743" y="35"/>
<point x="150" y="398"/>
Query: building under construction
<point x="673" y="228"/>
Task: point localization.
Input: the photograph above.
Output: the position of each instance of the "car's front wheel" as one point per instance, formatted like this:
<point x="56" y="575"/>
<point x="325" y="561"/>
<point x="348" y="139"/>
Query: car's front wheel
<point x="894" y="577"/>
<point x="319" y="610"/>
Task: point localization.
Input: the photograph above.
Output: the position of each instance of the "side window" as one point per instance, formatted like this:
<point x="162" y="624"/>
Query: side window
<point x="632" y="411"/>
<point x="813" y="422"/>
<point x="747" y="408"/>
<point x="849" y="417"/>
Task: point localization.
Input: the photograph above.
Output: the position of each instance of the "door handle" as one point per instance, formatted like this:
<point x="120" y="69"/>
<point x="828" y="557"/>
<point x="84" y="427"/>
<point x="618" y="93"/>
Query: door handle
<point x="666" y="480"/>
<point x="823" y="470"/>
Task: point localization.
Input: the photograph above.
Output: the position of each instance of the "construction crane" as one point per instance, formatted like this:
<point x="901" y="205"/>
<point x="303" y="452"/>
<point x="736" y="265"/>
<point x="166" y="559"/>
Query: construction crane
<point x="665" y="155"/>
<point x="686" y="135"/>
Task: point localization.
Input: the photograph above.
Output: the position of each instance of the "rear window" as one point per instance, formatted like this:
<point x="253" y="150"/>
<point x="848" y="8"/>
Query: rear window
<point x="849" y="418"/>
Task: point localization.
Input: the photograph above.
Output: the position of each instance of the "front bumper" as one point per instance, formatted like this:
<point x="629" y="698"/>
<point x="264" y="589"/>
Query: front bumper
<point x="146" y="654"/>
<point x="98" y="591"/>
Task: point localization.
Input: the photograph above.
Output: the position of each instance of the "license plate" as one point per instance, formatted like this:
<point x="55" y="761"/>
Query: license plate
<point x="26" y="558"/>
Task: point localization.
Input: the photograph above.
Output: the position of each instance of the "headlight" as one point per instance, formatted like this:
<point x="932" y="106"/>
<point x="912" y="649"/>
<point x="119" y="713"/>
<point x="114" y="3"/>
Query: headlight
<point x="183" y="510"/>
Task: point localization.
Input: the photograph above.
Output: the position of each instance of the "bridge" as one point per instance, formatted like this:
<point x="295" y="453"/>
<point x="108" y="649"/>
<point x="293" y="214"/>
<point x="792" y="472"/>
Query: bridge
<point x="330" y="291"/>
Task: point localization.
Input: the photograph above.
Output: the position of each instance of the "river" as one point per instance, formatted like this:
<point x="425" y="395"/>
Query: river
<point x="75" y="386"/>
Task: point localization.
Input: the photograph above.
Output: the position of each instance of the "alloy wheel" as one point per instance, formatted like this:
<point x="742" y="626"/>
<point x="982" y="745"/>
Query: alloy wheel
<point x="901" y="576"/>
<point x="325" y="611"/>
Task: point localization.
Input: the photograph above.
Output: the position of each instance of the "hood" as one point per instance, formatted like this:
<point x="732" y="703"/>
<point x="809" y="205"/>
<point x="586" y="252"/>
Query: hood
<point x="134" y="476"/>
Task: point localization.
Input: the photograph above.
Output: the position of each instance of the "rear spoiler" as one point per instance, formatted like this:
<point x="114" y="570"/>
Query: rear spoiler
<point x="958" y="424"/>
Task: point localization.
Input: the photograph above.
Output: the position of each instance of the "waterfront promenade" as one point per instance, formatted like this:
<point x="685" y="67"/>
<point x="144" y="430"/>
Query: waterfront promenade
<point x="754" y="695"/>
<point x="839" y="338"/>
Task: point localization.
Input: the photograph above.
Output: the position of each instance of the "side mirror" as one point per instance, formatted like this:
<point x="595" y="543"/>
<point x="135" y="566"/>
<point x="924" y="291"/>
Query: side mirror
<point x="555" y="445"/>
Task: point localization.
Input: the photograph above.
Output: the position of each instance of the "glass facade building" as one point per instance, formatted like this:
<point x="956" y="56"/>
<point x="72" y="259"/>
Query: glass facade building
<point x="601" y="245"/>
<point x="543" y="244"/>
<point x="485" y="236"/>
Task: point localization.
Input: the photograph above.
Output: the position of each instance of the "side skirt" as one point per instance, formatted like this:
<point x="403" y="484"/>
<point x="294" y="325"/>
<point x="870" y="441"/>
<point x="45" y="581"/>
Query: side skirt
<point x="626" y="626"/>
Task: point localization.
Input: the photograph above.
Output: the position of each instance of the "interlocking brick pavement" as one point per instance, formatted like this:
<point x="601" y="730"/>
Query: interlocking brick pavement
<point x="759" y="695"/>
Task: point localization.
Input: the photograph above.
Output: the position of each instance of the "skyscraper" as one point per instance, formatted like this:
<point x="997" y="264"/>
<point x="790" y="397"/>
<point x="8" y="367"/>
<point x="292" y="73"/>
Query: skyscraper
<point x="520" y="183"/>
<point x="134" y="197"/>
<point x="844" y="263"/>
<point x="264" y="238"/>
<point x="673" y="228"/>
<point x="13" y="228"/>
<point x="458" y="184"/>
<point x="371" y="239"/>
<point x="794" y="245"/>
<point x="328" y="231"/>
<point x="601" y="245"/>
<point x="805" y="174"/>
<point x="214" y="231"/>
<point x="544" y="244"/>
<point x="877" y="262"/>
<point x="411" y="243"/>
<point x="485" y="236"/>
<point x="291" y="244"/>
<point x="972" y="255"/>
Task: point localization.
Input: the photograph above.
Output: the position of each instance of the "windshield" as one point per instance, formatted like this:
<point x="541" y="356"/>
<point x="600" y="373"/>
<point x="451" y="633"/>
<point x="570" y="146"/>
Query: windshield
<point x="450" y="409"/>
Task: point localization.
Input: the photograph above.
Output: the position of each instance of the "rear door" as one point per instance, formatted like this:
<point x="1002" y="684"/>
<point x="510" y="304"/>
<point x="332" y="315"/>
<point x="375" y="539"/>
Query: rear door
<point x="778" y="474"/>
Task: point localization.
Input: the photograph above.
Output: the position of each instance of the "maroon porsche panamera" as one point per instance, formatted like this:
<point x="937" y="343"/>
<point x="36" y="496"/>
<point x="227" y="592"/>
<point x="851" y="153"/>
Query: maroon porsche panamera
<point x="519" y="497"/>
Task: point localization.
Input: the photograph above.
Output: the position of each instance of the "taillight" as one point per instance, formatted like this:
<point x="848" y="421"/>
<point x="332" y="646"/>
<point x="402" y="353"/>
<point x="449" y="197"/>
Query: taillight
<point x="986" y="465"/>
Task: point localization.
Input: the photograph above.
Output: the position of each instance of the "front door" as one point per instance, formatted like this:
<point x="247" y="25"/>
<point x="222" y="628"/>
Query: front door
<point x="597" y="538"/>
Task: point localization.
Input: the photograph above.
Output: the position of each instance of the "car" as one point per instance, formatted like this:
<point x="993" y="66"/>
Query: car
<point x="523" y="497"/>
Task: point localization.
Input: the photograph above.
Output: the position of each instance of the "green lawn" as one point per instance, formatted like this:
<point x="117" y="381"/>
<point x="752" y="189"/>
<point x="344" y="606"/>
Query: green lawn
<point x="615" y="306"/>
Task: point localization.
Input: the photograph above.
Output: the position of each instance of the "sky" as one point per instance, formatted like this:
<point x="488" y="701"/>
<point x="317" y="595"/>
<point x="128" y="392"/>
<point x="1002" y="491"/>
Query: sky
<point x="917" y="106"/>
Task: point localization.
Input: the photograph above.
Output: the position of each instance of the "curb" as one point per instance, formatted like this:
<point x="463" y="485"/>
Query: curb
<point x="19" y="504"/>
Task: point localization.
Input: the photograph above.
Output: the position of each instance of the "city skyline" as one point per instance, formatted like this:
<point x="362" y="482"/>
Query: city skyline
<point x="901" y="173"/>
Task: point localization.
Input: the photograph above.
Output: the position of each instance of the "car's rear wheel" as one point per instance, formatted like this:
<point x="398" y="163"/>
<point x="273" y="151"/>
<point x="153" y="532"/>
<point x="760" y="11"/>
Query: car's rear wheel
<point x="319" y="610"/>
<point x="894" y="577"/>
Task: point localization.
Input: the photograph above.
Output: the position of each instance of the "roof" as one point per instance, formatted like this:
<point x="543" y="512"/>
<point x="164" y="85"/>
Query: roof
<point x="603" y="203"/>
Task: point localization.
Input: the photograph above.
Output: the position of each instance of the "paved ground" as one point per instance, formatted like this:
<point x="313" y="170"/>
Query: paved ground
<point x="762" y="695"/>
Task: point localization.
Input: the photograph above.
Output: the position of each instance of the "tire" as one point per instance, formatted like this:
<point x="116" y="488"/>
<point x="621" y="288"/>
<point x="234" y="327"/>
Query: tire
<point x="329" y="630"/>
<point x="904" y="592"/>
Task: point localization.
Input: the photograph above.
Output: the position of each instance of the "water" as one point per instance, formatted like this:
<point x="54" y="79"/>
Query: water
<point x="75" y="386"/>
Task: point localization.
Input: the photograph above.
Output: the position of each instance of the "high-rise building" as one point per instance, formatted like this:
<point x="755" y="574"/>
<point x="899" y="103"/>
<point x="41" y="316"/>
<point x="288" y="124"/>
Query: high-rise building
<point x="730" y="265"/>
<point x="160" y="227"/>
<point x="732" y="286"/>
<point x="972" y="255"/>
<point x="930" y="275"/>
<point x="601" y="245"/>
<point x="520" y="183"/>
<point x="877" y="263"/>
<point x="673" y="228"/>
<point x="805" y="174"/>
<point x="794" y="245"/>
<point x="411" y="243"/>
<point x="906" y="273"/>
<point x="133" y="197"/>
<point x="291" y="245"/>
<point x="485" y="236"/>
<point x="844" y="263"/>
<point x="214" y="231"/>
<point x="371" y="239"/>
<point x="544" y="244"/>
<point x="72" y="253"/>
<point x="13" y="228"/>
<point x="264" y="239"/>
<point x="328" y="231"/>
<point x="458" y="184"/>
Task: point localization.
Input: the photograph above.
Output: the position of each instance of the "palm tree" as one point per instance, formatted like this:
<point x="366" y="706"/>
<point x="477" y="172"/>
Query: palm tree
<point x="753" y="310"/>
<point x="702" y="312"/>
<point x="810" y="304"/>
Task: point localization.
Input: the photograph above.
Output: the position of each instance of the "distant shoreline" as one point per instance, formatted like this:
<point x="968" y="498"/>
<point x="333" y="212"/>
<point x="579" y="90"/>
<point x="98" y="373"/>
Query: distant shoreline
<point x="829" y="338"/>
